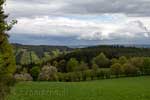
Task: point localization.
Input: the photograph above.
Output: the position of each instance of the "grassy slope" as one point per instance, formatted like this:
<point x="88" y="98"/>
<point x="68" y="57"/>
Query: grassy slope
<point x="137" y="88"/>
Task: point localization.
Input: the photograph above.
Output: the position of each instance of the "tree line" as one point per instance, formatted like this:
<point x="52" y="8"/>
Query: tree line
<point x="111" y="51"/>
<point x="101" y="68"/>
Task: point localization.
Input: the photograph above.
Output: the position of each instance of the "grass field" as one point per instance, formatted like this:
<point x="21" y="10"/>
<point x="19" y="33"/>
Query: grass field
<point x="136" y="88"/>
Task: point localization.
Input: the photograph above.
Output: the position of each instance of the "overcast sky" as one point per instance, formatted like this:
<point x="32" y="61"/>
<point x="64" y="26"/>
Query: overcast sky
<point x="80" y="22"/>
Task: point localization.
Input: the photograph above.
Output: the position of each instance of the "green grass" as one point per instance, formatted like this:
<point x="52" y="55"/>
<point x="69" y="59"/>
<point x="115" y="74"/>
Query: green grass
<point x="136" y="88"/>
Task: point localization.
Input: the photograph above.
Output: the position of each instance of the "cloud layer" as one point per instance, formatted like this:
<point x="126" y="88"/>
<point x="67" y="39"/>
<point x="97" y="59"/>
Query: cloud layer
<point x="82" y="20"/>
<point x="90" y="7"/>
<point x="82" y="29"/>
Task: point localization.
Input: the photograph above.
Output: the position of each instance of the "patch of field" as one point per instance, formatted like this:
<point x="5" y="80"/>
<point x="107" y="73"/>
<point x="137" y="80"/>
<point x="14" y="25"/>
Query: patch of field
<point x="136" y="88"/>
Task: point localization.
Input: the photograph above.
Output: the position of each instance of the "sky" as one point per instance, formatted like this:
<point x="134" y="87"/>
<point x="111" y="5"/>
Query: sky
<point x="79" y="22"/>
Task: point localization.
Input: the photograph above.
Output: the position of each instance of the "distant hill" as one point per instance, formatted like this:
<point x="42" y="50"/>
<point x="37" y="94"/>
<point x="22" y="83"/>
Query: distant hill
<point x="125" y="45"/>
<point x="86" y="54"/>
<point x="138" y="45"/>
<point x="38" y="50"/>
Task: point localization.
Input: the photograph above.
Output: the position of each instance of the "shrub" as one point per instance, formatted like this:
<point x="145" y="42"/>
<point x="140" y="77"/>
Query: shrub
<point x="86" y="74"/>
<point x="123" y="60"/>
<point x="130" y="70"/>
<point x="23" y="77"/>
<point x="92" y="74"/>
<point x="114" y="60"/>
<point x="67" y="77"/>
<point x="116" y="69"/>
<point x="35" y="72"/>
<point x="100" y="74"/>
<point x="107" y="74"/>
<point x="60" y="76"/>
<point x="139" y="63"/>
<point x="82" y="66"/>
<point x="146" y="65"/>
<point x="48" y="73"/>
<point x="78" y="75"/>
<point x="71" y="77"/>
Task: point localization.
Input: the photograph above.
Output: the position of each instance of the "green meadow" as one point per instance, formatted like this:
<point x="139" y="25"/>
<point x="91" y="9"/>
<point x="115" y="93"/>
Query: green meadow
<point x="132" y="88"/>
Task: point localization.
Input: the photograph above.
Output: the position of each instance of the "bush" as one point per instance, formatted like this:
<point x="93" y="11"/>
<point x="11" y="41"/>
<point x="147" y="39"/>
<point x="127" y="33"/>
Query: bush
<point x="92" y="74"/>
<point x="114" y="60"/>
<point x="139" y="63"/>
<point x="130" y="70"/>
<point x="86" y="74"/>
<point x="146" y="65"/>
<point x="35" y="72"/>
<point x="48" y="73"/>
<point x="107" y="74"/>
<point x="23" y="77"/>
<point x="123" y="60"/>
<point x="60" y="76"/>
<point x="82" y="66"/>
<point x="94" y="70"/>
<point x="100" y="74"/>
<point x="78" y="75"/>
<point x="67" y="77"/>
<point x="72" y="76"/>
<point x="116" y="69"/>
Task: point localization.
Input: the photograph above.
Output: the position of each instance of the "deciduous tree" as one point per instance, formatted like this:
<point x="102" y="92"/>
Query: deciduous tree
<point x="101" y="60"/>
<point x="72" y="65"/>
<point x="7" y="61"/>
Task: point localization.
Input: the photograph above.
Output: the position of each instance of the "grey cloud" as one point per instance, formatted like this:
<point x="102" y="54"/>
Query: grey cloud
<point x="81" y="31"/>
<point x="26" y="8"/>
<point x="129" y="7"/>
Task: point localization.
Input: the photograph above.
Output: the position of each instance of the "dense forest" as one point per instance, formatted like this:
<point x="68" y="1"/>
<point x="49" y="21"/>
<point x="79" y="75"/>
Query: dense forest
<point x="114" y="51"/>
<point x="81" y="54"/>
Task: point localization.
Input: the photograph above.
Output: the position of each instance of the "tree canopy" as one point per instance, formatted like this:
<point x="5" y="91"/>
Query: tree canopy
<point x="7" y="61"/>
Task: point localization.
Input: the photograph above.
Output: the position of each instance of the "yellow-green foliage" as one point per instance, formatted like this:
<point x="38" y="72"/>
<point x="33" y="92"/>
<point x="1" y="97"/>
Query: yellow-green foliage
<point x="7" y="61"/>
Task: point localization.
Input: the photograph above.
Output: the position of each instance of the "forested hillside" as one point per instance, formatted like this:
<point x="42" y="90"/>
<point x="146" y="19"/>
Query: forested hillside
<point x="86" y="54"/>
<point x="27" y="54"/>
<point x="32" y="52"/>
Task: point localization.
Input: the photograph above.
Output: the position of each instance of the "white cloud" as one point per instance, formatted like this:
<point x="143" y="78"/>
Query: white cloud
<point x="103" y="19"/>
<point x="124" y="28"/>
